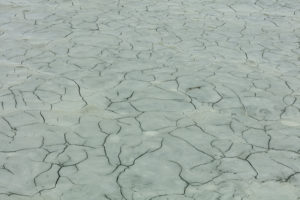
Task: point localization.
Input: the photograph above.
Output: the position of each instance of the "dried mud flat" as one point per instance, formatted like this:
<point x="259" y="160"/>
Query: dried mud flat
<point x="149" y="100"/>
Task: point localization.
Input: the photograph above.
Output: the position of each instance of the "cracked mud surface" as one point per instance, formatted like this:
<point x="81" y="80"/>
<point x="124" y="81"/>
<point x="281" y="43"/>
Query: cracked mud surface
<point x="149" y="100"/>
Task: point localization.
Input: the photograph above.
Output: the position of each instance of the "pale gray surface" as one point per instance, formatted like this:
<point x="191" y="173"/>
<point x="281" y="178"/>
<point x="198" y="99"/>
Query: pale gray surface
<point x="150" y="100"/>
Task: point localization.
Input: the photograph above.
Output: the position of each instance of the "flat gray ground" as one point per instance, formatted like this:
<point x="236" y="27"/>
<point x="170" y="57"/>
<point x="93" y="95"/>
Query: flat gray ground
<point x="149" y="100"/>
